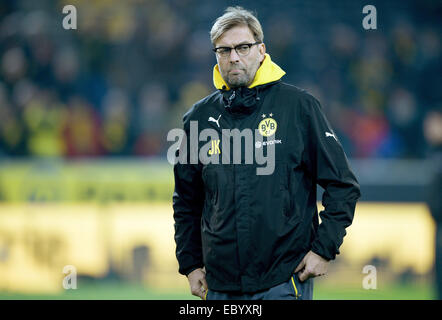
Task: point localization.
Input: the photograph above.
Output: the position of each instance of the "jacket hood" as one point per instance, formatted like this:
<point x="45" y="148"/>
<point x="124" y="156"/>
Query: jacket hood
<point x="266" y="73"/>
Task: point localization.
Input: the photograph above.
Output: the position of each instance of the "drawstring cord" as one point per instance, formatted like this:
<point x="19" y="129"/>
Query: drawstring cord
<point x="231" y="98"/>
<point x="257" y="97"/>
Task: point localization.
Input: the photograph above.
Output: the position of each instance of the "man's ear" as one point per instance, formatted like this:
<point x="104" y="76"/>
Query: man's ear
<point x="262" y="51"/>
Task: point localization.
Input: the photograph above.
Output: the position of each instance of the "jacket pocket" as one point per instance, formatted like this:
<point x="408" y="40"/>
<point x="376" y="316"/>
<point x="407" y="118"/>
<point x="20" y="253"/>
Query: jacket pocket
<point x="219" y="193"/>
<point x="210" y="181"/>
<point x="284" y="187"/>
<point x="302" y="290"/>
<point x="295" y="287"/>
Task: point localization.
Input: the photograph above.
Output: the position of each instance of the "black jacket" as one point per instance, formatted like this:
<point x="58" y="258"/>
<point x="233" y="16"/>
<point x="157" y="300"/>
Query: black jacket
<point x="250" y="231"/>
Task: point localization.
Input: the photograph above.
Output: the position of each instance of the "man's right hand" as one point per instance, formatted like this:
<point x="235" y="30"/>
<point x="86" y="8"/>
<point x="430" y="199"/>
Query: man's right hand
<point x="198" y="284"/>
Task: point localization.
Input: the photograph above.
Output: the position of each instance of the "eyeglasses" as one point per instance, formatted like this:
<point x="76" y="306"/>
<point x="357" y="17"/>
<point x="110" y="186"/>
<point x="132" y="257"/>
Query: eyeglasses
<point x="241" y="49"/>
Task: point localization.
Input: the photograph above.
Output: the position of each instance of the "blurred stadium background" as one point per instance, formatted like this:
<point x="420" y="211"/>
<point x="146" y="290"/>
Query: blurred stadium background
<point x="84" y="116"/>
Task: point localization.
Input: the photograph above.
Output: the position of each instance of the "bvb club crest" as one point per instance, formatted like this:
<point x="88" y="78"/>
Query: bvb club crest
<point x="267" y="127"/>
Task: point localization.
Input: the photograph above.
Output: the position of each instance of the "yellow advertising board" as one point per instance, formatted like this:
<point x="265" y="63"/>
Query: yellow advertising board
<point x="135" y="242"/>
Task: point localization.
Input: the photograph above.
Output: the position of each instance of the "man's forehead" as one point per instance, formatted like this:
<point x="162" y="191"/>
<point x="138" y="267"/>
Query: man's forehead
<point x="235" y="36"/>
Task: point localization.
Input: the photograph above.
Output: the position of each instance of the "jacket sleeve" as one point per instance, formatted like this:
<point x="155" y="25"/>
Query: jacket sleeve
<point x="188" y="201"/>
<point x="329" y="167"/>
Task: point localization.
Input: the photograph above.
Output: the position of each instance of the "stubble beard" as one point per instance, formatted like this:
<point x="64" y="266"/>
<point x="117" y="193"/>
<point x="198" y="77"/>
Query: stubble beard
<point x="235" y="81"/>
<point x="238" y="81"/>
<point x="241" y="79"/>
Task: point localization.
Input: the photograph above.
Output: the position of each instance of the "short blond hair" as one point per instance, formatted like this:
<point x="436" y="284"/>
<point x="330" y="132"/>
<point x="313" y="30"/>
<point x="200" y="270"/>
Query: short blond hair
<point x="236" y="16"/>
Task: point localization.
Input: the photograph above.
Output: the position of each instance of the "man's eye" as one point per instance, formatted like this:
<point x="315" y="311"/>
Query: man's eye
<point x="243" y="48"/>
<point x="223" y="50"/>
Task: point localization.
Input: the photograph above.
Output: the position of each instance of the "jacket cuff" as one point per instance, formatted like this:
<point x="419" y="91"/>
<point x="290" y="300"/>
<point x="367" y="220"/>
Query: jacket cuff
<point x="320" y="250"/>
<point x="188" y="270"/>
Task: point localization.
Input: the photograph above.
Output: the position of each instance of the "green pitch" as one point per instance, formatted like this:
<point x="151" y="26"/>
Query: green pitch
<point x="115" y="291"/>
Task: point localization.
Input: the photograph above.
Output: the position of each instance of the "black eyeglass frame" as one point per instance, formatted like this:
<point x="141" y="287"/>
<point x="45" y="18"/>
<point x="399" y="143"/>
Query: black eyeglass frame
<point x="250" y="45"/>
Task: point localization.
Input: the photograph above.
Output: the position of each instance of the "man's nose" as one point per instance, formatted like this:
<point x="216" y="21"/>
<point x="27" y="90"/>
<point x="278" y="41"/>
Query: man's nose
<point x="233" y="55"/>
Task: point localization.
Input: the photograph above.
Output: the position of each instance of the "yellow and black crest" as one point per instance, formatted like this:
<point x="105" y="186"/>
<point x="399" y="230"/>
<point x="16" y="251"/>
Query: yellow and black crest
<point x="267" y="127"/>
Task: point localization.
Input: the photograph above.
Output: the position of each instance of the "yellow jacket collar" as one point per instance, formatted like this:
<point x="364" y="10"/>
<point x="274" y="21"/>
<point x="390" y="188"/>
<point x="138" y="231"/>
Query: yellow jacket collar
<point x="267" y="72"/>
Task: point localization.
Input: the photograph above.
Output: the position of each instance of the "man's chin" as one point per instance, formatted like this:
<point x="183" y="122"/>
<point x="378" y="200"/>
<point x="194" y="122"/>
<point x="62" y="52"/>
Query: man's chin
<point x="235" y="83"/>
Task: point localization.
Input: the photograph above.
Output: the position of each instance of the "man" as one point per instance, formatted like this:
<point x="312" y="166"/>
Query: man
<point x="241" y="235"/>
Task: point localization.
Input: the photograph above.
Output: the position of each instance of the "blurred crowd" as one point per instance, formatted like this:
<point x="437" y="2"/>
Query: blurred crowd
<point x="118" y="83"/>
